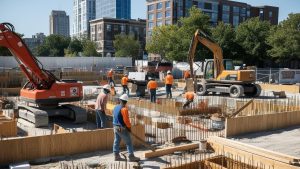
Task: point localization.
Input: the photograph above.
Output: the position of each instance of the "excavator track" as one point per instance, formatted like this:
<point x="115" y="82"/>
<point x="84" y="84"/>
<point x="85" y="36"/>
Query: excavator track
<point x="40" y="116"/>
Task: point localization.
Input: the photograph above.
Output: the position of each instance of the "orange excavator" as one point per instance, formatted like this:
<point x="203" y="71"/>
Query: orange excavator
<point x="42" y="94"/>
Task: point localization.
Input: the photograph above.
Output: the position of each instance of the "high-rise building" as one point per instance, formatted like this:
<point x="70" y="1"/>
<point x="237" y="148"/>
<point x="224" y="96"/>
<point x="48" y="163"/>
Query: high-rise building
<point x="35" y="41"/>
<point x="120" y="9"/>
<point x="165" y="12"/>
<point x="103" y="32"/>
<point x="83" y="12"/>
<point x="59" y="23"/>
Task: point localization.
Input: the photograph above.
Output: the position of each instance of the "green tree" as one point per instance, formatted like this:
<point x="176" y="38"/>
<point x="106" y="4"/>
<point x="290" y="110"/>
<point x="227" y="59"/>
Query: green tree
<point x="42" y="50"/>
<point x="224" y="35"/>
<point x="285" y="41"/>
<point x="74" y="48"/>
<point x="126" y="45"/>
<point x="252" y="36"/>
<point x="173" y="41"/>
<point x="89" y="48"/>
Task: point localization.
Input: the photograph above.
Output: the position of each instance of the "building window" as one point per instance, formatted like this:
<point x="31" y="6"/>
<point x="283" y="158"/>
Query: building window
<point x="168" y="14"/>
<point x="168" y="4"/>
<point x="123" y="28"/>
<point x="158" y="15"/>
<point x="243" y="11"/>
<point x="226" y="8"/>
<point x="236" y="9"/>
<point x="159" y="5"/>
<point x="159" y="23"/>
<point x="236" y="20"/>
<point x="214" y="17"/>
<point x="168" y="22"/>
<point x="225" y="18"/>
<point x="150" y="25"/>
<point x="108" y="27"/>
<point x="207" y="6"/>
<point x="215" y="7"/>
<point x="270" y="14"/>
<point x="116" y="28"/>
<point x="248" y="13"/>
<point x="150" y="7"/>
<point x="150" y="16"/>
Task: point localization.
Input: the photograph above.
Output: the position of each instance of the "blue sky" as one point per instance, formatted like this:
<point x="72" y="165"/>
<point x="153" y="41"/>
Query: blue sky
<point x="32" y="16"/>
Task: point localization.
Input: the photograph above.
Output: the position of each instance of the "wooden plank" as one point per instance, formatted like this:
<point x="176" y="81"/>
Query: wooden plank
<point x="246" y="152"/>
<point x="170" y="150"/>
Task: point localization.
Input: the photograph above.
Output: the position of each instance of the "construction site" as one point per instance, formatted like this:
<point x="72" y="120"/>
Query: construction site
<point x="233" y="121"/>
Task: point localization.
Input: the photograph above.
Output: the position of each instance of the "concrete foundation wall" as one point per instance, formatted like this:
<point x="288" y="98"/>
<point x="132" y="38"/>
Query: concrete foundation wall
<point x="72" y="62"/>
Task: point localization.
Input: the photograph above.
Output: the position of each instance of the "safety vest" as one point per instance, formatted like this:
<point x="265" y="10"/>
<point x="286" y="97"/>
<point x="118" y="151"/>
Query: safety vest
<point x="187" y="74"/>
<point x="169" y="79"/>
<point x="124" y="80"/>
<point x="109" y="74"/>
<point x="121" y="117"/>
<point x="152" y="84"/>
<point x="189" y="96"/>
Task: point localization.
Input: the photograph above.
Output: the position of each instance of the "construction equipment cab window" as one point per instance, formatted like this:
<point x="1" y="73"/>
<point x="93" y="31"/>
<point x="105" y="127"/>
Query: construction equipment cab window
<point x="219" y="76"/>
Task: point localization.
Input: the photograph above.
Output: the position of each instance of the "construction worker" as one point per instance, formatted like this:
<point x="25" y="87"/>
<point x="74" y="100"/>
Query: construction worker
<point x="124" y="82"/>
<point x="122" y="129"/>
<point x="186" y="74"/>
<point x="169" y="83"/>
<point x="189" y="96"/>
<point x="110" y="77"/>
<point x="100" y="107"/>
<point x="152" y="86"/>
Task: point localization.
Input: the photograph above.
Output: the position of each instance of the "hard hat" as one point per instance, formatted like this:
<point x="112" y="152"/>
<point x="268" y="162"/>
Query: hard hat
<point x="244" y="64"/>
<point x="168" y="72"/>
<point x="124" y="97"/>
<point x="111" y="69"/>
<point x="107" y="87"/>
<point x="125" y="74"/>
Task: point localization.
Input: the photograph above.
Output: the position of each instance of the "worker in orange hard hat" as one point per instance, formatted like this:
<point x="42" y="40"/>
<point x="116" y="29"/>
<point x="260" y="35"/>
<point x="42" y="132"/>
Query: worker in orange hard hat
<point x="152" y="86"/>
<point x="110" y="77"/>
<point x="189" y="96"/>
<point x="124" y="83"/>
<point x="169" y="83"/>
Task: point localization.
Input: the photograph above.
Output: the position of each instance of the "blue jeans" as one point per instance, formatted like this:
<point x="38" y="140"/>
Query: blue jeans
<point x="125" y="89"/>
<point x="122" y="133"/>
<point x="111" y="81"/>
<point x="100" y="119"/>
<point x="153" y="95"/>
<point x="169" y="91"/>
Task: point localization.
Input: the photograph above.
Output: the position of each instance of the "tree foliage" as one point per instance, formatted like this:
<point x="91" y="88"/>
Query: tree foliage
<point x="53" y="45"/>
<point x="173" y="41"/>
<point x="285" y="40"/>
<point x="252" y="36"/>
<point x="126" y="45"/>
<point x="74" y="48"/>
<point x="224" y="35"/>
<point x="89" y="48"/>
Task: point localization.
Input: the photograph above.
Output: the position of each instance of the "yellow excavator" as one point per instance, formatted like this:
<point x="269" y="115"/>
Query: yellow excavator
<point x="218" y="73"/>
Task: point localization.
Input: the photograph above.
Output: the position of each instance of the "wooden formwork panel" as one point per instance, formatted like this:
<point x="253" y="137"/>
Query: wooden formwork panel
<point x="30" y="148"/>
<point x="257" y="123"/>
<point x="8" y="127"/>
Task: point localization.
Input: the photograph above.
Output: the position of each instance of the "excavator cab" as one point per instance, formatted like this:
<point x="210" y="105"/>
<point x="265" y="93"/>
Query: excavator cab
<point x="208" y="69"/>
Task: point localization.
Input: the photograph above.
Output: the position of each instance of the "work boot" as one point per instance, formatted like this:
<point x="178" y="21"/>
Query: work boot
<point x="133" y="158"/>
<point x="118" y="157"/>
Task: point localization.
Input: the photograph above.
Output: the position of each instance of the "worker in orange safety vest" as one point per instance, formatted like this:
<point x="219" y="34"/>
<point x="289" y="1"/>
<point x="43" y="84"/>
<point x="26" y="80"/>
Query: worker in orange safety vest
<point x="124" y="83"/>
<point x="152" y="86"/>
<point x="169" y="82"/>
<point x="189" y="96"/>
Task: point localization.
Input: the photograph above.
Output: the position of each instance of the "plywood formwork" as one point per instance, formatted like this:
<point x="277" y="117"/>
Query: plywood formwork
<point x="31" y="148"/>
<point x="257" y="123"/>
<point x="252" y="154"/>
<point x="286" y="88"/>
<point x="8" y="126"/>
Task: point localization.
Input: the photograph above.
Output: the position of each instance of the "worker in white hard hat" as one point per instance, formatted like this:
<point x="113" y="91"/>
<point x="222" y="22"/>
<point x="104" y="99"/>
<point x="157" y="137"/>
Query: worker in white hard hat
<point x="100" y="107"/>
<point x="124" y="83"/>
<point x="169" y="82"/>
<point x="122" y="129"/>
<point x="110" y="74"/>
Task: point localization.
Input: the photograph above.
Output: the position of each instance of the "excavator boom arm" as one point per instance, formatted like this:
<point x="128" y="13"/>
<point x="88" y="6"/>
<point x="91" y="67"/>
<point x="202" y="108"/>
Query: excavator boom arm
<point x="38" y="77"/>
